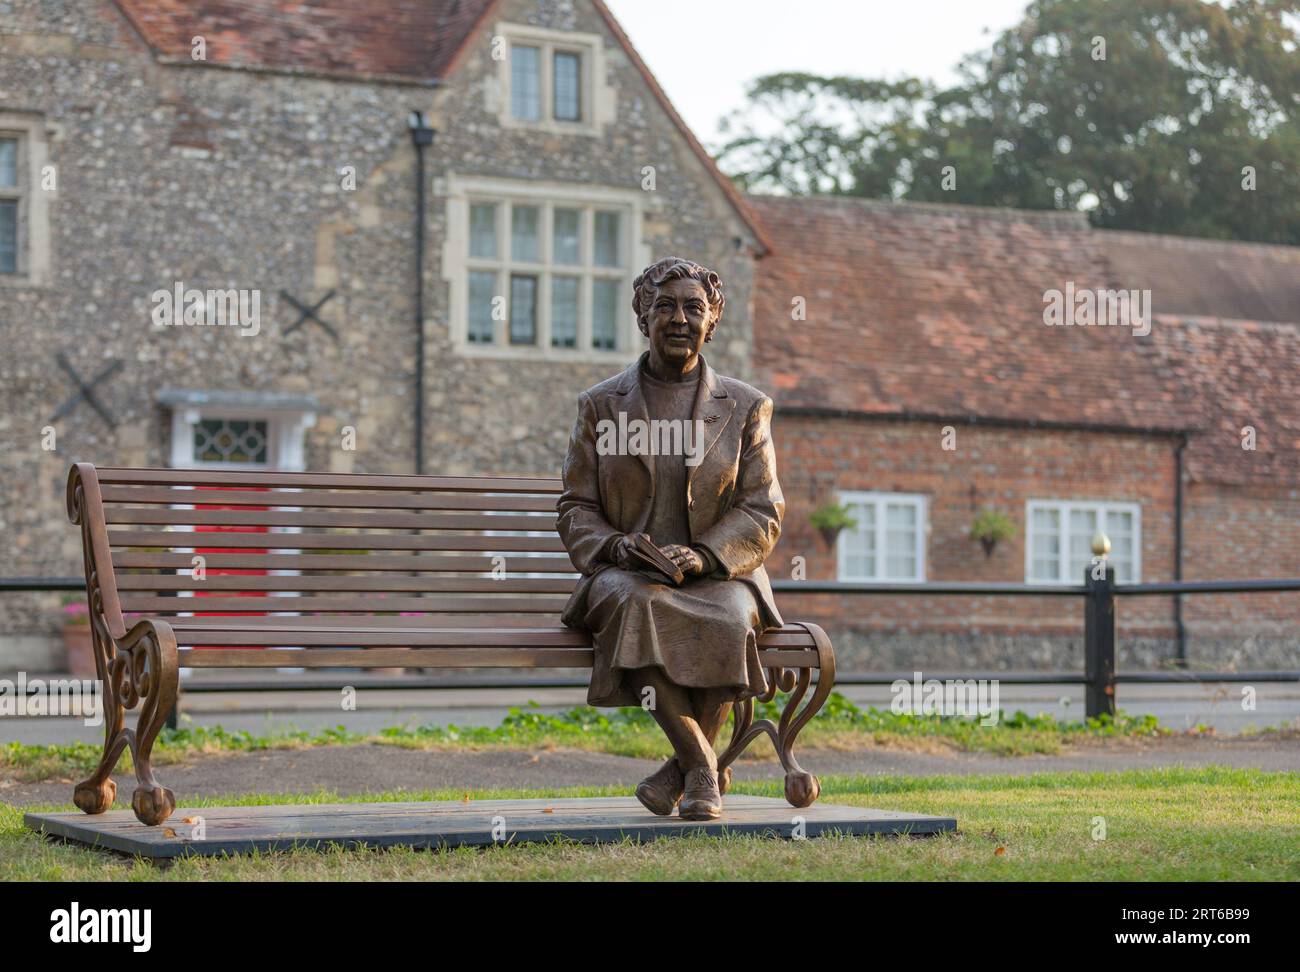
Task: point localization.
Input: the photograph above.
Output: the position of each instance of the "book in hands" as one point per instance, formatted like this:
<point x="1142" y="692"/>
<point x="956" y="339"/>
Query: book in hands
<point x="644" y="554"/>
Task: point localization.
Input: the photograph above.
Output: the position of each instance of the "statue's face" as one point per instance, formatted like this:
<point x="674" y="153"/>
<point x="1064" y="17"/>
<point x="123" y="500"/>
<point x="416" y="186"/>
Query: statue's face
<point x="678" y="321"/>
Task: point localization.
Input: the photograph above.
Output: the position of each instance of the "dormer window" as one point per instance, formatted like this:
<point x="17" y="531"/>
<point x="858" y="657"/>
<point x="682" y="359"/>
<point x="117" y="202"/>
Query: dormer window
<point x="545" y="75"/>
<point x="553" y="80"/>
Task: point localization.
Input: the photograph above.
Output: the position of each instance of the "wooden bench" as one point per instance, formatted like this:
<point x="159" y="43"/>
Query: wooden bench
<point x="324" y="569"/>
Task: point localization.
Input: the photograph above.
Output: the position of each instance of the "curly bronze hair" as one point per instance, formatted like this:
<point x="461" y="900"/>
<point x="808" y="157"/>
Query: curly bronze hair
<point x="647" y="284"/>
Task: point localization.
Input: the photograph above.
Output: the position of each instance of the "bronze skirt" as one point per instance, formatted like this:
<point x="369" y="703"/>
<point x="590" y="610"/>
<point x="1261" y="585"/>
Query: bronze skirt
<point x="703" y="634"/>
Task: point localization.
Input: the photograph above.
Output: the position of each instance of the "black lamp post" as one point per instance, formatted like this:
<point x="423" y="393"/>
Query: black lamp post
<point x="421" y="138"/>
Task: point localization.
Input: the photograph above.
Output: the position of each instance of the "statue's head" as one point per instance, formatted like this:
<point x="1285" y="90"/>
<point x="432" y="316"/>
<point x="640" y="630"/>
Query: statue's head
<point x="678" y="304"/>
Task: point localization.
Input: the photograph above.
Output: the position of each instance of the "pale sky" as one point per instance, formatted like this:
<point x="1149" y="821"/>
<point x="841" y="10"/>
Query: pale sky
<point x="703" y="52"/>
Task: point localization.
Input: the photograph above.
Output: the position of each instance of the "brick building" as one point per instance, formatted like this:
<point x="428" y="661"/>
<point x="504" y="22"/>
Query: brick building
<point x="261" y="146"/>
<point x="923" y="327"/>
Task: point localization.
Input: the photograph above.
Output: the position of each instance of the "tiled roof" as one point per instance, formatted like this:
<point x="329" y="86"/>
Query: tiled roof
<point x="1232" y="375"/>
<point x="414" y="39"/>
<point x="1208" y="278"/>
<point x="938" y="310"/>
<point x="1227" y="333"/>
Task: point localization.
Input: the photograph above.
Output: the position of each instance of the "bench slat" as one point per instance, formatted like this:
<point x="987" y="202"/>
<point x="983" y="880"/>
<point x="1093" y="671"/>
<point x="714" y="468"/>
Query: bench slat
<point x="430" y="658"/>
<point x="387" y="658"/>
<point x="120" y="475"/>
<point x="424" y="638"/>
<point x="349" y="562"/>
<point x="426" y="585"/>
<point x="540" y="604"/>
<point x="387" y="637"/>
<point x="321" y="518"/>
<point x="334" y="541"/>
<point x="330" y="622"/>
<point x="326" y="621"/>
<point x="346" y="499"/>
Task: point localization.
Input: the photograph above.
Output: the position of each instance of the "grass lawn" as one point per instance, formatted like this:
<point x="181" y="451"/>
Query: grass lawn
<point x="1182" y="824"/>
<point x="622" y="732"/>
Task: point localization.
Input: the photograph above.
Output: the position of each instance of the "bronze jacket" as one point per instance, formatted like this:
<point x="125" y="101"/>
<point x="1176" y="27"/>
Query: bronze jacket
<point x="733" y="498"/>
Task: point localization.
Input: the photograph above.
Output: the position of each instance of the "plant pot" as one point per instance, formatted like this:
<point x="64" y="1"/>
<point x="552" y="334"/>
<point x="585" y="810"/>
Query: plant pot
<point x="829" y="534"/>
<point x="988" y="544"/>
<point x="79" y="651"/>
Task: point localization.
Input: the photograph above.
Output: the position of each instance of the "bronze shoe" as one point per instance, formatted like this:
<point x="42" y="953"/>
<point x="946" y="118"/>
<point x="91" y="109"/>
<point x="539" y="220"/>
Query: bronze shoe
<point x="701" y="799"/>
<point x="661" y="790"/>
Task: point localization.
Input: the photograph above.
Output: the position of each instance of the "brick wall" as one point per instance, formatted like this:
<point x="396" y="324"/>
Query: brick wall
<point x="1237" y="532"/>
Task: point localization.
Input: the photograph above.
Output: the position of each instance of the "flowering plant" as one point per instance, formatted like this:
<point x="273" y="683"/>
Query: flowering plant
<point x="75" y="611"/>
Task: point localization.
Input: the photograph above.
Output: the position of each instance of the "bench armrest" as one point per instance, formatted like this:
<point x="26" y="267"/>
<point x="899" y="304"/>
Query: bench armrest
<point x="86" y="509"/>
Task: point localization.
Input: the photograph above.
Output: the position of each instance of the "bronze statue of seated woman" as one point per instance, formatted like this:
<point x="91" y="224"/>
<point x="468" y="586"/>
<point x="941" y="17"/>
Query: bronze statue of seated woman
<point x="671" y="455"/>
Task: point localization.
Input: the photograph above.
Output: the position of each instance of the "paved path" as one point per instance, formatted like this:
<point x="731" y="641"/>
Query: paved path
<point x="372" y="769"/>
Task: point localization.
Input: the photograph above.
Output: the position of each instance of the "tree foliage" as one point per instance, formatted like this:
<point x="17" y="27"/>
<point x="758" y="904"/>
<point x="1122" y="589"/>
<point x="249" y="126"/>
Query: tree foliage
<point x="1148" y="114"/>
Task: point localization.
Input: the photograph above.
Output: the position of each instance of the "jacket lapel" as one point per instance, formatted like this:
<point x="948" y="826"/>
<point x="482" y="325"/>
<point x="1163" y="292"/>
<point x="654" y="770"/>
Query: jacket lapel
<point x="712" y="412"/>
<point x="631" y="402"/>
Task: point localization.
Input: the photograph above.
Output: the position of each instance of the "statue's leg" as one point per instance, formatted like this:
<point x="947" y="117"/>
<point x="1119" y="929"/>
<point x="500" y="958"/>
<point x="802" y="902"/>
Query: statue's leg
<point x="675" y="714"/>
<point x="712" y="710"/>
<point x="673" y="709"/>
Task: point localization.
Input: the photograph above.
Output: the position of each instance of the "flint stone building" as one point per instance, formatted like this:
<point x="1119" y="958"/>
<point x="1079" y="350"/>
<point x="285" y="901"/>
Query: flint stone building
<point x="264" y="150"/>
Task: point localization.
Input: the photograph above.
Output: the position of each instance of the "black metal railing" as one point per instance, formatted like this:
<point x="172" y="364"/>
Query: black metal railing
<point x="1099" y="676"/>
<point x="41" y="584"/>
<point x="1099" y="591"/>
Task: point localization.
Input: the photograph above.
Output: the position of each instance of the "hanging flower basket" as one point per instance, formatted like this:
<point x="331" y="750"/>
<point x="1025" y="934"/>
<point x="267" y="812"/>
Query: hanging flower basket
<point x="990" y="527"/>
<point x="829" y="519"/>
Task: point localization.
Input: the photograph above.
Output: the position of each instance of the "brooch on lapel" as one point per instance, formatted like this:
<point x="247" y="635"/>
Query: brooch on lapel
<point x="710" y="419"/>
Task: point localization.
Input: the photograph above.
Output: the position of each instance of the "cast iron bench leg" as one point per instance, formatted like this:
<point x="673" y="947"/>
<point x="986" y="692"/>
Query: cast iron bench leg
<point x="801" y="787"/>
<point x="143" y="672"/>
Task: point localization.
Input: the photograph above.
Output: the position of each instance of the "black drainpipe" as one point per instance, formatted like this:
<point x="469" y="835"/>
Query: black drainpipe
<point x="422" y="137"/>
<point x="1180" y="631"/>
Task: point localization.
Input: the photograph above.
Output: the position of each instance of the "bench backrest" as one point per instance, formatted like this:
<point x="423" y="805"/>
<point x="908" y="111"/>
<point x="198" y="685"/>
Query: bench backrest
<point x="482" y="549"/>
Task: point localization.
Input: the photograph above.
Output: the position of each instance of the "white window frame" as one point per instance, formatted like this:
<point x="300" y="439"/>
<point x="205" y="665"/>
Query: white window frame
<point x="457" y="263"/>
<point x="284" y="437"/>
<point x="596" y="97"/>
<point x="879" y="499"/>
<point x="1064" y="508"/>
<point x="32" y="259"/>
